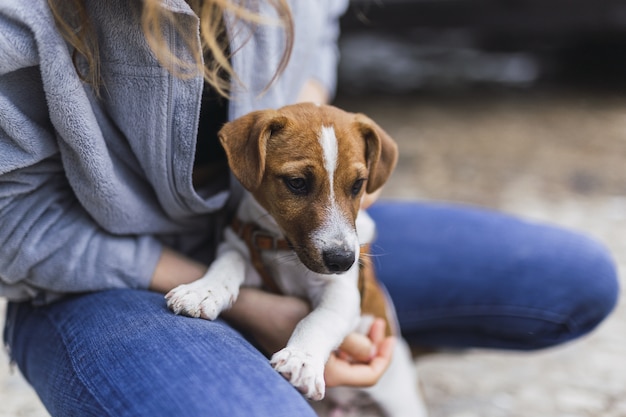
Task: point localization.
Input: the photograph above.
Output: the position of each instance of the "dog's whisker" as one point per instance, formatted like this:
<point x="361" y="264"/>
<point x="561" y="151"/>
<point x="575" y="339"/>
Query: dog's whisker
<point x="287" y="259"/>
<point x="375" y="255"/>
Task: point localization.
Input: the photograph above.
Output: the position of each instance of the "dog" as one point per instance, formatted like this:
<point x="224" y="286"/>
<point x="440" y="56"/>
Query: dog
<point x="306" y="168"/>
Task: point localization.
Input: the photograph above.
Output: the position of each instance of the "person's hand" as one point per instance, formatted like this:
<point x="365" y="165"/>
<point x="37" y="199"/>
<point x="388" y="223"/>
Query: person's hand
<point x="361" y="360"/>
<point x="313" y="91"/>
<point x="270" y="319"/>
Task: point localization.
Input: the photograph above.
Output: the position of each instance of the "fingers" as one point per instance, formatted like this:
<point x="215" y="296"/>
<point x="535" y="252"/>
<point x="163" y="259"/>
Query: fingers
<point x="381" y="362"/>
<point x="358" y="348"/>
<point x="361" y="361"/>
<point x="342" y="372"/>
<point x="377" y="331"/>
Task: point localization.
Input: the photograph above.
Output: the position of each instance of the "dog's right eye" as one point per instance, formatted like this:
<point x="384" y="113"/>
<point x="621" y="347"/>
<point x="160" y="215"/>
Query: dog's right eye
<point x="298" y="186"/>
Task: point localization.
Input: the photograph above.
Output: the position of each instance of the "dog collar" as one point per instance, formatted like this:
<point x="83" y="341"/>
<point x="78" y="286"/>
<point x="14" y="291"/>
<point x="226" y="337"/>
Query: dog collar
<point x="258" y="240"/>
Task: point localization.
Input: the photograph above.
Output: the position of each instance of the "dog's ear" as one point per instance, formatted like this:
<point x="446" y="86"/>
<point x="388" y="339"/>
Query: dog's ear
<point x="382" y="152"/>
<point x="245" y="140"/>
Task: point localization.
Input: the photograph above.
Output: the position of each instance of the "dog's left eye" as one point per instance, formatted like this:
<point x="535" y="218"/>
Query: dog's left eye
<point x="356" y="187"/>
<point x="297" y="186"/>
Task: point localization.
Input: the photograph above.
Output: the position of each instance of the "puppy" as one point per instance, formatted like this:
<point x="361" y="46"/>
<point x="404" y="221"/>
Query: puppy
<point x="306" y="168"/>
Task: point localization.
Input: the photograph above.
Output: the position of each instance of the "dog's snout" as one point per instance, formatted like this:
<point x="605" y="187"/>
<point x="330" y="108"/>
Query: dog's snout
<point x="338" y="259"/>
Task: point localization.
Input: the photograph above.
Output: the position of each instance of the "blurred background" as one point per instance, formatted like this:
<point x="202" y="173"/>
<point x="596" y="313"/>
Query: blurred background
<point x="517" y="106"/>
<point x="408" y="46"/>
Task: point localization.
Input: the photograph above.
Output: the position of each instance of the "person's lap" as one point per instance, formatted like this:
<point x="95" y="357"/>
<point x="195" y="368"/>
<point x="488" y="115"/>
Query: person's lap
<point x="459" y="277"/>
<point x="122" y="353"/>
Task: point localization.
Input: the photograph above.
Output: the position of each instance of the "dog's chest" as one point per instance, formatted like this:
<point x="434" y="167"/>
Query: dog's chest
<point x="292" y="277"/>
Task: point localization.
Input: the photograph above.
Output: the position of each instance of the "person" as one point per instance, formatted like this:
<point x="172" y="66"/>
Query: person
<point x="113" y="191"/>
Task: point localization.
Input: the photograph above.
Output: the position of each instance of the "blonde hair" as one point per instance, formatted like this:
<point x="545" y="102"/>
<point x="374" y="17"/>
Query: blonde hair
<point x="77" y="29"/>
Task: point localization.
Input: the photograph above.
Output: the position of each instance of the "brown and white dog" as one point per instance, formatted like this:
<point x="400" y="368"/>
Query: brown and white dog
<point x="306" y="168"/>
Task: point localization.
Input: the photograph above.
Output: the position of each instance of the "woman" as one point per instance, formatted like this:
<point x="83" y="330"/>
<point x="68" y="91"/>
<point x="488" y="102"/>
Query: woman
<point x="113" y="191"/>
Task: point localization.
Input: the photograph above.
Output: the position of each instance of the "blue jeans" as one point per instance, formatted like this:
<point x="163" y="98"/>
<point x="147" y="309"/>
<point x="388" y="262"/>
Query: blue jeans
<point x="465" y="277"/>
<point x="459" y="277"/>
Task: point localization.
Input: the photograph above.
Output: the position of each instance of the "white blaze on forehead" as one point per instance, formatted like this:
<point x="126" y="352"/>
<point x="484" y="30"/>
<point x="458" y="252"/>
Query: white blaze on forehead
<point x="335" y="230"/>
<point x="328" y="140"/>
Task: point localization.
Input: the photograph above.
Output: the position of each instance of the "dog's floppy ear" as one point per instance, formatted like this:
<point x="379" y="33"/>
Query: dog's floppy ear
<point x="245" y="140"/>
<point x="382" y="152"/>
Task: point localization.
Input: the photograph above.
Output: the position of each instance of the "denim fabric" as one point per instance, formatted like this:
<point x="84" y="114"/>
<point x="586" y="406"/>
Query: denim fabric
<point x="459" y="277"/>
<point x="122" y="353"/>
<point x="469" y="277"/>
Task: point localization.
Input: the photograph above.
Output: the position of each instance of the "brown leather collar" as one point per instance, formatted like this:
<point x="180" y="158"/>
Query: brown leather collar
<point x="258" y="240"/>
<point x="257" y="237"/>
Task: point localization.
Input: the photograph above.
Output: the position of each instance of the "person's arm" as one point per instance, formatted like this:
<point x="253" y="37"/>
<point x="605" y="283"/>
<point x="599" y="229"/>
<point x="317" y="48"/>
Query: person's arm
<point x="174" y="269"/>
<point x="50" y="244"/>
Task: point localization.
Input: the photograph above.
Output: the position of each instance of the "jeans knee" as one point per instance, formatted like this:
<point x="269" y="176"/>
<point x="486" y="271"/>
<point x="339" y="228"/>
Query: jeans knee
<point x="594" y="287"/>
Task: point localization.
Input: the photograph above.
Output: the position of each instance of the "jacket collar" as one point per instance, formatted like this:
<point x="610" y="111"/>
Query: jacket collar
<point x="177" y="6"/>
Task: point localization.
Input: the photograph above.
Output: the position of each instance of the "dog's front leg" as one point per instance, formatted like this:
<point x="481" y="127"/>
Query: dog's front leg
<point x="216" y="291"/>
<point x="334" y="315"/>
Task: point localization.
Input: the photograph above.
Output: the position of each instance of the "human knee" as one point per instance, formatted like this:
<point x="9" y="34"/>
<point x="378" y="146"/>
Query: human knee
<point x="594" y="287"/>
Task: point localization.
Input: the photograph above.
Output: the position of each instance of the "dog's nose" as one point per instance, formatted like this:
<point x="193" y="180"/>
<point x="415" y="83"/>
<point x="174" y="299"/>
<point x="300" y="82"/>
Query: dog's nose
<point x="338" y="259"/>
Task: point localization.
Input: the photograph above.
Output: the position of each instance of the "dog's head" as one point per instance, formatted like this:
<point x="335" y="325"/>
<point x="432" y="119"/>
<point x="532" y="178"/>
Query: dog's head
<point x="309" y="166"/>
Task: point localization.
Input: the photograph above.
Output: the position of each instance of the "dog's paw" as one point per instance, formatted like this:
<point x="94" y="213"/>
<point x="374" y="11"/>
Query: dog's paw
<point x="304" y="371"/>
<point x="200" y="299"/>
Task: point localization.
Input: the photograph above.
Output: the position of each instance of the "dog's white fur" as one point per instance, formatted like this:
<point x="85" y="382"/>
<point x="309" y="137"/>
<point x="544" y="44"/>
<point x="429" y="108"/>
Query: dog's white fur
<point x="334" y="297"/>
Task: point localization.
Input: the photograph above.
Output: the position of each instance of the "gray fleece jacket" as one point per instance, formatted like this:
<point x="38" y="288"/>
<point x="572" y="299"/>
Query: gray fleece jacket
<point x="91" y="189"/>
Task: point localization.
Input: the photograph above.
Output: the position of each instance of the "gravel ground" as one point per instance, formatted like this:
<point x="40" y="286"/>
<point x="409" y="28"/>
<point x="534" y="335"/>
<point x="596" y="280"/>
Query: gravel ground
<point x="549" y="156"/>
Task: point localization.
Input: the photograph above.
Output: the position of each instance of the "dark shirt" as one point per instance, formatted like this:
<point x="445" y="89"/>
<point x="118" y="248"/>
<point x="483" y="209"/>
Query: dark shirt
<point x="213" y="115"/>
